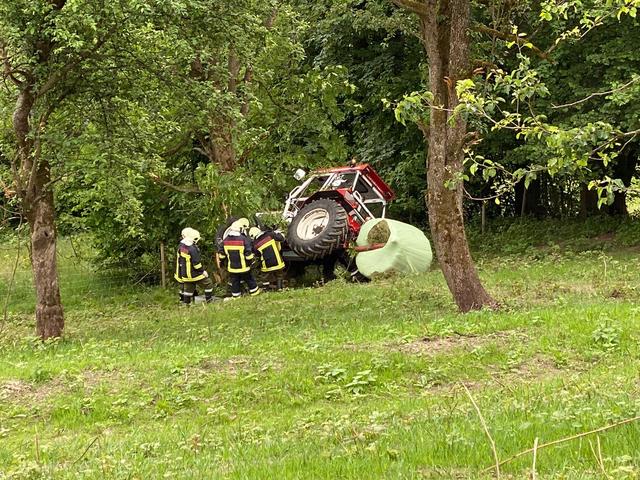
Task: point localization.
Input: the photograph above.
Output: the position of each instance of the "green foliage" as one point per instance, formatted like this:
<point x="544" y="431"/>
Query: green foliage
<point x="567" y="114"/>
<point x="377" y="45"/>
<point x="590" y="236"/>
<point x="607" y="336"/>
<point x="309" y="85"/>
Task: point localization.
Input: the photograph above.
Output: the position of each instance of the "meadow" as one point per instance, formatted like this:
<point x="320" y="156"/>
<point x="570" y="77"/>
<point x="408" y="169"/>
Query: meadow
<point x="345" y="381"/>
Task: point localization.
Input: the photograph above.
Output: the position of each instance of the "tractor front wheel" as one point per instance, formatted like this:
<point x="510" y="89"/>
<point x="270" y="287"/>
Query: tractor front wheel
<point x="319" y="229"/>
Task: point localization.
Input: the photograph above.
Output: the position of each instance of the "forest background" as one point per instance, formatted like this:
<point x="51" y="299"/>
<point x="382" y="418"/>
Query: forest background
<point x="131" y="120"/>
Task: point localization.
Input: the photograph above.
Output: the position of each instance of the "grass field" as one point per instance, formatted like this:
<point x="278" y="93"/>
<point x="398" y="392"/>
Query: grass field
<point x="342" y="381"/>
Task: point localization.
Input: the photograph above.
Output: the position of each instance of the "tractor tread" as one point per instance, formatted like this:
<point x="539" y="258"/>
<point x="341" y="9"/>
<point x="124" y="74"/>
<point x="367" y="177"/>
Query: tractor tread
<point x="331" y="239"/>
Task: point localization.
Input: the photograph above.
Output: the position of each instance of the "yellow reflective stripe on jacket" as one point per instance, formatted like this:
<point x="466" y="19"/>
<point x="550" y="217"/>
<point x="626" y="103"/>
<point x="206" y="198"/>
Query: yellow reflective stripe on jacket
<point x="272" y="269"/>
<point x="188" y="277"/>
<point x="240" y="250"/>
<point x="187" y="258"/>
<point x="276" y="250"/>
<point x="177" y="274"/>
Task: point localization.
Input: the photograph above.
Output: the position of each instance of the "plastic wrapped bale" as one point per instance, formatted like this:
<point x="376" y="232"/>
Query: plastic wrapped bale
<point x="406" y="248"/>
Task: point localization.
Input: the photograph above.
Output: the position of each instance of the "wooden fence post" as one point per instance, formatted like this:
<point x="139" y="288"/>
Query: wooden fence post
<point x="163" y="266"/>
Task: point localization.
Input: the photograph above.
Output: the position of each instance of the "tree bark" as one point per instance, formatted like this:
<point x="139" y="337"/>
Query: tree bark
<point x="222" y="149"/>
<point x="32" y="179"/>
<point x="588" y="201"/>
<point x="444" y="30"/>
<point x="527" y="200"/>
<point x="41" y="217"/>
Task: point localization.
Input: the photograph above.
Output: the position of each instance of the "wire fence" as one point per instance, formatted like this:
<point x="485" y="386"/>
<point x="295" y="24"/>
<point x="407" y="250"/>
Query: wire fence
<point x="81" y="278"/>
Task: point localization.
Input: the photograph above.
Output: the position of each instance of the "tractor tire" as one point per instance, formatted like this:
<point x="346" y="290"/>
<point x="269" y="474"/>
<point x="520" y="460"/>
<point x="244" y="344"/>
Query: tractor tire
<point x="319" y="229"/>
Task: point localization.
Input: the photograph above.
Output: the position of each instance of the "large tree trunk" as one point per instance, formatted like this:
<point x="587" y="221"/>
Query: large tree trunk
<point x="444" y="33"/>
<point x="41" y="217"/>
<point x="222" y="147"/>
<point x="33" y="178"/>
<point x="219" y="146"/>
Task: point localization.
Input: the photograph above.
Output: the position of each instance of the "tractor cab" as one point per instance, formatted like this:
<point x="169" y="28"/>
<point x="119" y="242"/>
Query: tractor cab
<point x="359" y="189"/>
<point x="325" y="212"/>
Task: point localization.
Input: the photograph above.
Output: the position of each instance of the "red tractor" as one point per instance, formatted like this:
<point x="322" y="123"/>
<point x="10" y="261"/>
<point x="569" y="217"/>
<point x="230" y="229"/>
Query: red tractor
<point x="328" y="208"/>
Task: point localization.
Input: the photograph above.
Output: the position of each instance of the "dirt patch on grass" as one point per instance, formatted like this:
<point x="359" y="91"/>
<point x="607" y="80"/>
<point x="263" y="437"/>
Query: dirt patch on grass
<point x="17" y="391"/>
<point x="437" y="345"/>
<point x="92" y="379"/>
<point x="538" y="366"/>
<point x="12" y="390"/>
<point x="231" y="366"/>
<point x="534" y="368"/>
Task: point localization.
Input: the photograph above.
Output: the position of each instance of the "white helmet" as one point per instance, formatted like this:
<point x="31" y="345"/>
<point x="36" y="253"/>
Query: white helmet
<point x="254" y="232"/>
<point x="240" y="225"/>
<point x="191" y="234"/>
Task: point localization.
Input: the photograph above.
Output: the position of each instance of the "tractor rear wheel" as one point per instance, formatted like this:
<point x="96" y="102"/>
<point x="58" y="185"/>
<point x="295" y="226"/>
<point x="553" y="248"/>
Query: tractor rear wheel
<point x="319" y="229"/>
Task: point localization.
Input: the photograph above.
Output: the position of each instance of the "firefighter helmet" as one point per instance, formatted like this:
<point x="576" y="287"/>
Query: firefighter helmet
<point x="254" y="232"/>
<point x="241" y="224"/>
<point x="191" y="234"/>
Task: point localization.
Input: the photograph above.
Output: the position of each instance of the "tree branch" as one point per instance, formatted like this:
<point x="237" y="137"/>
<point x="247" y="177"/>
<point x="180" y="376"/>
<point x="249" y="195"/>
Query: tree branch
<point x="414" y="6"/>
<point x="8" y="70"/>
<point x="632" y="133"/>
<point x="277" y="104"/>
<point x="177" y="188"/>
<point x="598" y="94"/>
<point x="520" y="41"/>
<point x="72" y="65"/>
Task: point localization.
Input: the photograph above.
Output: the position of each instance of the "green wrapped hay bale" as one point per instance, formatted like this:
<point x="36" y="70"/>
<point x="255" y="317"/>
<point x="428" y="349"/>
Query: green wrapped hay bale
<point x="406" y="249"/>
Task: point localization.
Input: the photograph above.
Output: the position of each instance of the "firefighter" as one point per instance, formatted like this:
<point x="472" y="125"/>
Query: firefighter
<point x="189" y="269"/>
<point x="268" y="246"/>
<point x="237" y="253"/>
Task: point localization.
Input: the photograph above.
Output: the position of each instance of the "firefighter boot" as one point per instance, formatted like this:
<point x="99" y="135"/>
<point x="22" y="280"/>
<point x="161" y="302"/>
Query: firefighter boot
<point x="279" y="284"/>
<point x="208" y="296"/>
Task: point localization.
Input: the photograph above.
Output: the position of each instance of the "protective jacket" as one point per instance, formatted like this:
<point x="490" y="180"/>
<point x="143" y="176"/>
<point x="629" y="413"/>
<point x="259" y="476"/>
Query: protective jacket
<point x="188" y="264"/>
<point x="237" y="250"/>
<point x="268" y="246"/>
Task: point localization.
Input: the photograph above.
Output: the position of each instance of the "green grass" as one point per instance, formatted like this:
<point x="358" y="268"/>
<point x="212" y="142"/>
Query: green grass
<point x="343" y="381"/>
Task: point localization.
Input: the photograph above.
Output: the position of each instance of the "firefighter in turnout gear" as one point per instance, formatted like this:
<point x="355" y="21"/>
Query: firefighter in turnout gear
<point x="189" y="269"/>
<point x="268" y="245"/>
<point x="237" y="253"/>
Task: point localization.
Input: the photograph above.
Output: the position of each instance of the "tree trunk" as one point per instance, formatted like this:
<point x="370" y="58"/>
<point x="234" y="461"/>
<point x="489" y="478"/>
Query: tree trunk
<point x="41" y="217"/>
<point x="220" y="147"/>
<point x="32" y="177"/>
<point x="624" y="169"/>
<point x="444" y="31"/>
<point x="221" y="140"/>
<point x="588" y="201"/>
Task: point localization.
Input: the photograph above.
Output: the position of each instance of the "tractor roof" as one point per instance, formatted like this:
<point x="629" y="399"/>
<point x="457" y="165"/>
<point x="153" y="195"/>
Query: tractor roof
<point x="368" y="171"/>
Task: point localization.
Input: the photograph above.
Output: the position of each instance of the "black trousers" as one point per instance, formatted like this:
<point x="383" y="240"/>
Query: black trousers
<point x="247" y="277"/>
